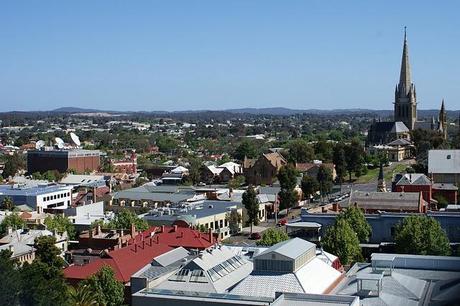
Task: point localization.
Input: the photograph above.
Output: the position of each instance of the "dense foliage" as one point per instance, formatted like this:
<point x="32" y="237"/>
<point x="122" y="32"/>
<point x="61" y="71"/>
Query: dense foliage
<point x="340" y="239"/>
<point x="421" y="235"/>
<point x="272" y="236"/>
<point x="355" y="217"/>
<point x="287" y="177"/>
<point x="251" y="205"/>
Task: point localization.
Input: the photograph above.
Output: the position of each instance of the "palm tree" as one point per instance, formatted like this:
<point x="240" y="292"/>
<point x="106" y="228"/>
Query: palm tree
<point x="82" y="296"/>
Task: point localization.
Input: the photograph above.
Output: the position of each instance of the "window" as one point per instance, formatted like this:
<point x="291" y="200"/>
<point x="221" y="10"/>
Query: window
<point x="198" y="276"/>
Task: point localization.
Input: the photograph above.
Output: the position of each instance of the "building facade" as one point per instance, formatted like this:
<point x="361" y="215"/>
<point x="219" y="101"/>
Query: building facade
<point x="77" y="160"/>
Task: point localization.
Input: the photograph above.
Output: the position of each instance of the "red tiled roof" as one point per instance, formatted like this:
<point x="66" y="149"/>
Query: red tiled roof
<point x="140" y="251"/>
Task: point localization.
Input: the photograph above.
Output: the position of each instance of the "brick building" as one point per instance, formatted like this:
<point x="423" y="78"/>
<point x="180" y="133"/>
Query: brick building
<point x="78" y="160"/>
<point x="263" y="169"/>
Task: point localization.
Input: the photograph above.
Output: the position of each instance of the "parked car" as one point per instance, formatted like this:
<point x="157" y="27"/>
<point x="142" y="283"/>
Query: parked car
<point x="255" y="236"/>
<point x="281" y="222"/>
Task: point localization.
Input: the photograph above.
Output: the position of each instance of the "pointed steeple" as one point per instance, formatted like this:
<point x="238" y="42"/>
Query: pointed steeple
<point x="404" y="77"/>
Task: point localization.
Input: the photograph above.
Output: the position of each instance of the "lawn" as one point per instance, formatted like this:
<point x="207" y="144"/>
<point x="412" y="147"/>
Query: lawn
<point x="373" y="174"/>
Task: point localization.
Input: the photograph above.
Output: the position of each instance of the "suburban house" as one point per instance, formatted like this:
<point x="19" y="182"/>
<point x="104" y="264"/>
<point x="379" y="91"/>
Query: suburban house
<point x="311" y="169"/>
<point x="21" y="243"/>
<point x="220" y="174"/>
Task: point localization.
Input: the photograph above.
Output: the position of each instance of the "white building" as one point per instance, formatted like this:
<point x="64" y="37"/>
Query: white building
<point x="38" y="197"/>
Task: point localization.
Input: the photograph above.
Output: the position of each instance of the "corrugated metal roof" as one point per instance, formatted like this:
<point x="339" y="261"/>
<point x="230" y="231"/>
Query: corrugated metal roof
<point x="291" y="248"/>
<point x="444" y="161"/>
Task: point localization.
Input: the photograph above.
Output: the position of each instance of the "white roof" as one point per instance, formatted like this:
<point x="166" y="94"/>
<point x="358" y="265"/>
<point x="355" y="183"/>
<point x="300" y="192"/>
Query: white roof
<point x="291" y="248"/>
<point x="215" y="170"/>
<point x="444" y="161"/>
<point x="314" y="277"/>
<point x="77" y="179"/>
<point x="179" y="169"/>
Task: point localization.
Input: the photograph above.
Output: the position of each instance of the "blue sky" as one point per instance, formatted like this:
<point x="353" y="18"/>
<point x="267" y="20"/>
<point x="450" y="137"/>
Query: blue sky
<point x="177" y="55"/>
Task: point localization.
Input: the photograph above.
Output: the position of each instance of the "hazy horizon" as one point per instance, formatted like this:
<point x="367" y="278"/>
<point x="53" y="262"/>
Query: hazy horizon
<point x="208" y="55"/>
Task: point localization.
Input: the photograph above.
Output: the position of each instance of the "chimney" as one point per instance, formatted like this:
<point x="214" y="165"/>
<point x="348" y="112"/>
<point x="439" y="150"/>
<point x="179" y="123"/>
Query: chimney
<point x="323" y="209"/>
<point x="162" y="229"/>
<point x="335" y="207"/>
<point x="11" y="248"/>
<point x="175" y="228"/>
<point x="210" y="234"/>
<point x="122" y="233"/>
<point x="98" y="229"/>
<point x="133" y="230"/>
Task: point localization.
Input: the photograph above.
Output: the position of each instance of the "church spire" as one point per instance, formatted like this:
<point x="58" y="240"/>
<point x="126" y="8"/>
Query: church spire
<point x="404" y="78"/>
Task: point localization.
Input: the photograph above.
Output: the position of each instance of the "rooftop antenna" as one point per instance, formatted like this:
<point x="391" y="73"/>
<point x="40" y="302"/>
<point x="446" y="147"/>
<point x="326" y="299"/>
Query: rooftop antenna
<point x="39" y="144"/>
<point x="59" y="142"/>
<point x="75" y="139"/>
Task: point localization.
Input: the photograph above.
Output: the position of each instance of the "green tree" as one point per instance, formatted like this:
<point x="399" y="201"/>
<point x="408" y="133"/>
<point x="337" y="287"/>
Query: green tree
<point x="324" y="178"/>
<point x="125" y="218"/>
<point x="47" y="252"/>
<point x="421" y="235"/>
<point x="236" y="182"/>
<point x="309" y="186"/>
<point x="341" y="240"/>
<point x="355" y="217"/>
<point x="245" y="149"/>
<point x="11" y="279"/>
<point x="300" y="151"/>
<point x="42" y="285"/>
<point x="340" y="162"/>
<point x="249" y="202"/>
<point x="323" y="150"/>
<point x="13" y="221"/>
<point x="234" y="220"/>
<point x="13" y="164"/>
<point x="287" y="177"/>
<point x="194" y="170"/>
<point x="82" y="296"/>
<point x="37" y="176"/>
<point x="43" y="280"/>
<point x="354" y="155"/>
<point x="61" y="224"/>
<point x="105" y="287"/>
<point x="8" y="203"/>
<point x="272" y="236"/>
<point x="442" y="201"/>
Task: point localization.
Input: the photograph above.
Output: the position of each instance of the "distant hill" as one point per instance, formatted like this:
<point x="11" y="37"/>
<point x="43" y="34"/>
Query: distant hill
<point x="280" y="111"/>
<point x="76" y="110"/>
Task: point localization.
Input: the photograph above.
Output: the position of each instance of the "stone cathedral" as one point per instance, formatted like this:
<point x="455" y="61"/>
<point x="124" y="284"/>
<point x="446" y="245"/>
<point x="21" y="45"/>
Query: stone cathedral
<point x="405" y="110"/>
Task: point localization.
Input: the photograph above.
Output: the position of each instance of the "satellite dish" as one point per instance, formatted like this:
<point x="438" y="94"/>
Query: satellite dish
<point x="59" y="142"/>
<point x="39" y="144"/>
<point x="75" y="139"/>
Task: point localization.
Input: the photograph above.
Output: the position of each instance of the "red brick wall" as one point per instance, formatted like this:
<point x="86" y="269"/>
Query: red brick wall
<point x="82" y="163"/>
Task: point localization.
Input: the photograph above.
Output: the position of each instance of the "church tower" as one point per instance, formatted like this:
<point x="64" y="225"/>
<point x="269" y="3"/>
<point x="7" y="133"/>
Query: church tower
<point x="443" y="120"/>
<point x="405" y="96"/>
